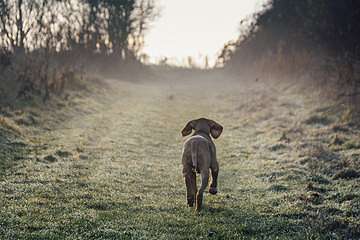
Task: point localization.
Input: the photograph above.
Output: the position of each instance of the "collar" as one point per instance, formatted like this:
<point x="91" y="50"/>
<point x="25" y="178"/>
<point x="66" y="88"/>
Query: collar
<point x="202" y="133"/>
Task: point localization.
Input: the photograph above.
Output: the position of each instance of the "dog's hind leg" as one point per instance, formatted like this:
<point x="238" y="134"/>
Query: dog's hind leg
<point x="190" y="181"/>
<point x="204" y="183"/>
<point x="214" y="176"/>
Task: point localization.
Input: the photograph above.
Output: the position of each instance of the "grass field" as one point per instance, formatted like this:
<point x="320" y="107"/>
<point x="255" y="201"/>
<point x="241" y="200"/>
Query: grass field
<point x="107" y="165"/>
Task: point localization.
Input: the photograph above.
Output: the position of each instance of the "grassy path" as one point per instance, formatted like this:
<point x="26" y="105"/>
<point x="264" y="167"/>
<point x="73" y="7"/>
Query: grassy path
<point x="114" y="171"/>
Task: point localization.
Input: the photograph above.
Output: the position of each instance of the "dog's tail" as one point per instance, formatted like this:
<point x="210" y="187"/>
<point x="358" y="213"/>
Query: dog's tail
<point x="194" y="155"/>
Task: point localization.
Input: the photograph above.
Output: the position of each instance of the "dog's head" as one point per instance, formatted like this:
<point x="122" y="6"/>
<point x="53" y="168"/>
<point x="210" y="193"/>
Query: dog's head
<point x="203" y="125"/>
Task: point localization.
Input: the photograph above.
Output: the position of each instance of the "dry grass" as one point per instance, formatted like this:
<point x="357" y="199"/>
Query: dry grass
<point x="9" y="124"/>
<point x="110" y="168"/>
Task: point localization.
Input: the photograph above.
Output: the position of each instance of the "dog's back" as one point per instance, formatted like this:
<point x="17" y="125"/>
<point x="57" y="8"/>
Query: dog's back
<point x="197" y="153"/>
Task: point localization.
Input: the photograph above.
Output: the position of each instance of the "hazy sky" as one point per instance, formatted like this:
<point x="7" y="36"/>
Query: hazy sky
<point x="196" y="27"/>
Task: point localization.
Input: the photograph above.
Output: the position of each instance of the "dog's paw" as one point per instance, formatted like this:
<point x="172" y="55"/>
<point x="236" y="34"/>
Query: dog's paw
<point x="213" y="190"/>
<point x="190" y="202"/>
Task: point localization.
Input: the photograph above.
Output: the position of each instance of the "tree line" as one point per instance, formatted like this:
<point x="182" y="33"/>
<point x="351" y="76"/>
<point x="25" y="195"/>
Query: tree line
<point x="291" y="38"/>
<point x="70" y="33"/>
<point x="330" y="26"/>
<point x="106" y="26"/>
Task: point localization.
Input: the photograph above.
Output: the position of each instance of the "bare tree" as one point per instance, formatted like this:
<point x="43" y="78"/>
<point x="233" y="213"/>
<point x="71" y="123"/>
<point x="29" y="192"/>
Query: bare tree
<point x="19" y="19"/>
<point x="145" y="12"/>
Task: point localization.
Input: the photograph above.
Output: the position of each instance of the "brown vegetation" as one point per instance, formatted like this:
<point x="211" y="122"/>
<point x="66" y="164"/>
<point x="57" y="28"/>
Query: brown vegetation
<point x="45" y="44"/>
<point x="315" y="43"/>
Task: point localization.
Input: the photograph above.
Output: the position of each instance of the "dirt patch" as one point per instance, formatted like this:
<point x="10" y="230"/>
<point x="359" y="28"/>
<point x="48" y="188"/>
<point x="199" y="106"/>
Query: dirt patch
<point x="50" y="158"/>
<point x="278" y="188"/>
<point x="63" y="154"/>
<point x="347" y="174"/>
<point x="318" y="120"/>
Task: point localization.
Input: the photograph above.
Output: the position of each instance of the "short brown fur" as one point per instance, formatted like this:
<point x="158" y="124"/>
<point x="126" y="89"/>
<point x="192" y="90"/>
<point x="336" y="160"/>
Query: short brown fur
<point x="199" y="156"/>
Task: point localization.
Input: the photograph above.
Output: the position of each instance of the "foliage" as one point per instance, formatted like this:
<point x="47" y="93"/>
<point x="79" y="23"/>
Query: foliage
<point x="103" y="25"/>
<point x="44" y="42"/>
<point x="314" y="41"/>
<point x="290" y="25"/>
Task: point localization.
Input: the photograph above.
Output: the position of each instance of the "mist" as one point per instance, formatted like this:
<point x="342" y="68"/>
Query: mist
<point x="176" y="120"/>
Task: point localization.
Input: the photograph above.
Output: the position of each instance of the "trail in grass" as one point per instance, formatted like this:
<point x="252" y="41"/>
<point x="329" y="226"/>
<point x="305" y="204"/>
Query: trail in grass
<point x="114" y="169"/>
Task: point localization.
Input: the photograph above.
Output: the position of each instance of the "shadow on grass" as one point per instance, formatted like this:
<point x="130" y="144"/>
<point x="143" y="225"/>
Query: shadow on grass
<point x="129" y="220"/>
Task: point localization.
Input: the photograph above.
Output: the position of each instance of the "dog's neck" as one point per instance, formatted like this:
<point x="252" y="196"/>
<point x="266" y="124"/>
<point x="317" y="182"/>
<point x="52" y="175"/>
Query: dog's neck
<point x="203" y="134"/>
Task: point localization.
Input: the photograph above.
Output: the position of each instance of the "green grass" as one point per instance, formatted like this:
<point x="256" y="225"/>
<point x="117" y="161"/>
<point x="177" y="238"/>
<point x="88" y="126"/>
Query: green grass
<point x="114" y="170"/>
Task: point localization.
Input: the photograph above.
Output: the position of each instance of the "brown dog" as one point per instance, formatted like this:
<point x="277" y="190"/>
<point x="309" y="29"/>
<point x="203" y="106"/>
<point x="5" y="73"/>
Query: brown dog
<point x="199" y="155"/>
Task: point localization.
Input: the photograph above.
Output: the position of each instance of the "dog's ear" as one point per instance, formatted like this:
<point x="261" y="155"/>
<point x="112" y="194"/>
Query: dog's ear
<point x="215" y="129"/>
<point x="188" y="128"/>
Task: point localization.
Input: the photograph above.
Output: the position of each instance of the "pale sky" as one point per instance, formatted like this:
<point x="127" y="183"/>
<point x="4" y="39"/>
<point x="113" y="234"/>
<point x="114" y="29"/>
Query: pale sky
<point x="196" y="28"/>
